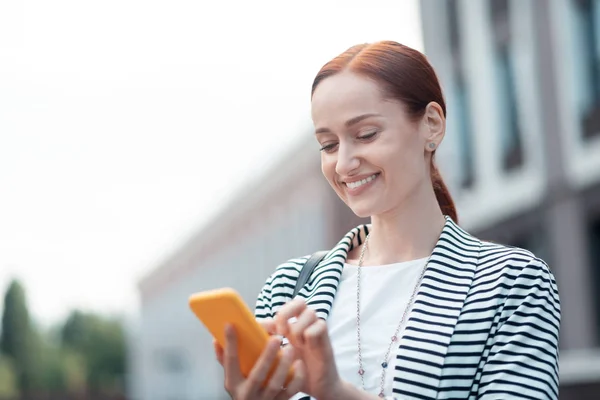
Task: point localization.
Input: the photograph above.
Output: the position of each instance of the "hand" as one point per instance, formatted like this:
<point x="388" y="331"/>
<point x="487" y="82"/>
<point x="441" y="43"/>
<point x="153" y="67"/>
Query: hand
<point x="310" y="339"/>
<point x="254" y="387"/>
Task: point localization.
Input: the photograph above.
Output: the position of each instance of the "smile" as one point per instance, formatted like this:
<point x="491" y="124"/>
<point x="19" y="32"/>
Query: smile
<point x="357" y="184"/>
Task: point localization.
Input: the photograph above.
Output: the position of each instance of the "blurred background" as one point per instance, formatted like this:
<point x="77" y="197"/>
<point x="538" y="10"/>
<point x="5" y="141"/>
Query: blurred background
<point x="153" y="149"/>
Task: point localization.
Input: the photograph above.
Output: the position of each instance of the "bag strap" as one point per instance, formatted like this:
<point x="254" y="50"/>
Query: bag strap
<point x="307" y="270"/>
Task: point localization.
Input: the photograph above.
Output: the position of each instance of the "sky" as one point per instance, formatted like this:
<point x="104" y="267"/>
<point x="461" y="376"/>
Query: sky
<point x="125" y="124"/>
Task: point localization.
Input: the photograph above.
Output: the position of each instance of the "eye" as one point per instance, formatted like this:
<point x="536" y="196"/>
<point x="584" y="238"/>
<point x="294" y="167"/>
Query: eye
<point x="328" y="148"/>
<point x="367" y="136"/>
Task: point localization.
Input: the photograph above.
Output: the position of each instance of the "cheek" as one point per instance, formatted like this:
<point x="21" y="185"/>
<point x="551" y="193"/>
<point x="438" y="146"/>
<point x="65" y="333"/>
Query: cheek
<point x="402" y="165"/>
<point x="328" y="167"/>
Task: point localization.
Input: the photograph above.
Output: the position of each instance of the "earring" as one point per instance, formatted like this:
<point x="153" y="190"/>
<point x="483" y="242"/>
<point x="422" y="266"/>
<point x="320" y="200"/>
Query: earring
<point x="432" y="145"/>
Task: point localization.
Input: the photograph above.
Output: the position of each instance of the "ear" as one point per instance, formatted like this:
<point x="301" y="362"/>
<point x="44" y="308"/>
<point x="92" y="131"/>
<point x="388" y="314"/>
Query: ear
<point x="434" y="126"/>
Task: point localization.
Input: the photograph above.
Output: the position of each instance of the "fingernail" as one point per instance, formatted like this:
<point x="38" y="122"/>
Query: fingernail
<point x="292" y="320"/>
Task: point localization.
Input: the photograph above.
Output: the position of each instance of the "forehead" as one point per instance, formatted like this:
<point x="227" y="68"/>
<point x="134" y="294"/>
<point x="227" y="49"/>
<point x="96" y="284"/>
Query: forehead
<point x="346" y="95"/>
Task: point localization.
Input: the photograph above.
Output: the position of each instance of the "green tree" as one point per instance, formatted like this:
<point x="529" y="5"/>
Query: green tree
<point x="16" y="341"/>
<point x="101" y="343"/>
<point x="8" y="379"/>
<point x="57" y="370"/>
<point x="74" y="371"/>
<point x="49" y="375"/>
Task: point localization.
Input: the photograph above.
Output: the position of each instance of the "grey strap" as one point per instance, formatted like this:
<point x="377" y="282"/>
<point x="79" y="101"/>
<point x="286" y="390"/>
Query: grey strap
<point x="307" y="269"/>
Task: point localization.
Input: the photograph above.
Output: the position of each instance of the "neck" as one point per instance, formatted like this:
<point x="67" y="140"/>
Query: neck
<point x="407" y="233"/>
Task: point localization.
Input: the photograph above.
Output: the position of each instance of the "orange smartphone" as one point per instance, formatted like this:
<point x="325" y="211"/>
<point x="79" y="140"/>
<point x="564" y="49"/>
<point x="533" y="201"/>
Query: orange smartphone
<point x="219" y="307"/>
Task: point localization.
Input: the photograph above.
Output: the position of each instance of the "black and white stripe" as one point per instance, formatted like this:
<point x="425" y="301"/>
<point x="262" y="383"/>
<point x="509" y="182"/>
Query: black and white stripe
<point x="484" y="325"/>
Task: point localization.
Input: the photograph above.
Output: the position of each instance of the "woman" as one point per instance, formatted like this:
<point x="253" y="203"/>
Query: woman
<point x="409" y="306"/>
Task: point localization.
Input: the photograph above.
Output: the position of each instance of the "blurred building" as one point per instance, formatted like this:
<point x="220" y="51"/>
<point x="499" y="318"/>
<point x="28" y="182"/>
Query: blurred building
<point x="289" y="212"/>
<point x="522" y="82"/>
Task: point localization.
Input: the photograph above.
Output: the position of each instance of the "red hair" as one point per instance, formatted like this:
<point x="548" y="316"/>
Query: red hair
<point x="406" y="76"/>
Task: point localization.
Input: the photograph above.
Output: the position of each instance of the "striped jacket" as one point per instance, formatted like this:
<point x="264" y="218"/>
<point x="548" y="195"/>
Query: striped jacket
<point x="484" y="324"/>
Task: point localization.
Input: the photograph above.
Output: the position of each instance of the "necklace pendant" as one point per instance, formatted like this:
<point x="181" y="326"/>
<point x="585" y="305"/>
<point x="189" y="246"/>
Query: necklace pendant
<point x="381" y="394"/>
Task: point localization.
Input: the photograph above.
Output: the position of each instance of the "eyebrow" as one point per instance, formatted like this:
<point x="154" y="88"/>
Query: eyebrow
<point x="350" y="122"/>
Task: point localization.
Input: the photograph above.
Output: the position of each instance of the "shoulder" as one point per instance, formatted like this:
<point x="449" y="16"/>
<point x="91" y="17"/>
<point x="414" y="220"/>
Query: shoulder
<point x="290" y="268"/>
<point x="500" y="267"/>
<point x="508" y="257"/>
<point x="515" y="288"/>
<point x="285" y="275"/>
<point x="278" y="288"/>
<point x="284" y="278"/>
<point x="490" y="258"/>
<point x="515" y="269"/>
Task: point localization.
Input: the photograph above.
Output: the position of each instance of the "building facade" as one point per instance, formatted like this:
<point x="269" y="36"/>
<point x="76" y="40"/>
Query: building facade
<point x="522" y="82"/>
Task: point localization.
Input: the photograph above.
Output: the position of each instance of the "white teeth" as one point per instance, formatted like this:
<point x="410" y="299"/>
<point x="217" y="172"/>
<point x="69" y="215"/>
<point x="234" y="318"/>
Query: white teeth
<point x="354" y="185"/>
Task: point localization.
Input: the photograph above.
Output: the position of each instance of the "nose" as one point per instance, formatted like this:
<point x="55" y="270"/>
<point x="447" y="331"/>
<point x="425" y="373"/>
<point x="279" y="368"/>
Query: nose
<point x="347" y="160"/>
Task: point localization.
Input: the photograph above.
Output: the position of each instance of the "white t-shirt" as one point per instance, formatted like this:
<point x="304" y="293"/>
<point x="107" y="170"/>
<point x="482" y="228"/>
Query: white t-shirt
<point x="385" y="292"/>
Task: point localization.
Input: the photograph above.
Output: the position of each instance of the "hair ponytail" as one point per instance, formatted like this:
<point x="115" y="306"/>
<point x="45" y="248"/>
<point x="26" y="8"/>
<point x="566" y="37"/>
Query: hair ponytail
<point x="442" y="194"/>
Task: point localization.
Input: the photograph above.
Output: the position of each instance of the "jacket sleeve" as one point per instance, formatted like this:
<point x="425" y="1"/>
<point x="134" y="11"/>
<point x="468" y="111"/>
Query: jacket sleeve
<point x="522" y="357"/>
<point x="263" y="308"/>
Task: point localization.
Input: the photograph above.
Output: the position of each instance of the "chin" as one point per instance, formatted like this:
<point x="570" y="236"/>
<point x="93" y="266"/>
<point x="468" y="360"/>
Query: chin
<point x="362" y="210"/>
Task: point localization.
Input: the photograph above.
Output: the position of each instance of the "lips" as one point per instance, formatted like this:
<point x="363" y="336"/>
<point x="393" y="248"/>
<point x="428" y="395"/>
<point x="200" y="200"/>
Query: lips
<point x="358" y="185"/>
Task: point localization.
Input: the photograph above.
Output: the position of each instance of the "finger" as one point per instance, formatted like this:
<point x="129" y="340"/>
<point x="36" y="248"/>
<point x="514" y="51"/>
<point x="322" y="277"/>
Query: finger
<point x="233" y="374"/>
<point x="278" y="379"/>
<point x="297" y="383"/>
<point x="218" y="351"/>
<point x="291" y="309"/>
<point x="316" y="335"/>
<point x="296" y="330"/>
<point x="269" y="325"/>
<point x="261" y="369"/>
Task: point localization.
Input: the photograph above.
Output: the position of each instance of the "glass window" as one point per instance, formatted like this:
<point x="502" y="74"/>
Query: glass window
<point x="460" y="100"/>
<point x="586" y="43"/>
<point x="511" y="142"/>
<point x="594" y="246"/>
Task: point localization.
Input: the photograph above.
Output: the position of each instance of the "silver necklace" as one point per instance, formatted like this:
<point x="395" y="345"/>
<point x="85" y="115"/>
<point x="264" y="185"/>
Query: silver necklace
<point x="394" y="338"/>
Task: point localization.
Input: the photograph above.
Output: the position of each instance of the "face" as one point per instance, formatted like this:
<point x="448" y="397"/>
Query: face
<point x="372" y="154"/>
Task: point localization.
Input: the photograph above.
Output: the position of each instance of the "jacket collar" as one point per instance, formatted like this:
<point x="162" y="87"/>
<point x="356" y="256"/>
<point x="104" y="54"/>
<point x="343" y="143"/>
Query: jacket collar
<point x="437" y="304"/>
<point x="451" y="233"/>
